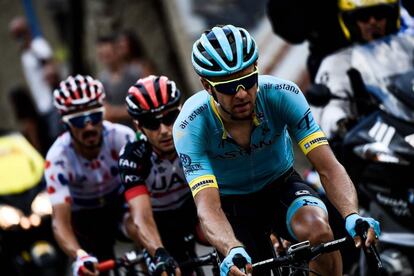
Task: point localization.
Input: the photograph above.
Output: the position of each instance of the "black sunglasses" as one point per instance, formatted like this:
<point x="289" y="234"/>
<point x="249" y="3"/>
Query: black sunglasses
<point x="378" y="13"/>
<point x="231" y="87"/>
<point x="153" y="122"/>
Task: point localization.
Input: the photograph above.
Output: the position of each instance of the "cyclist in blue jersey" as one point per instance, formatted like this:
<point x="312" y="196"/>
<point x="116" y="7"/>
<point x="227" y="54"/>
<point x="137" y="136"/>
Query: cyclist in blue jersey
<point x="234" y="142"/>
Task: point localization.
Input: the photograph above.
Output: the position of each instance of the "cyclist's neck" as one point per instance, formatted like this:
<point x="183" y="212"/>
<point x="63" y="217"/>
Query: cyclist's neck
<point x="165" y="155"/>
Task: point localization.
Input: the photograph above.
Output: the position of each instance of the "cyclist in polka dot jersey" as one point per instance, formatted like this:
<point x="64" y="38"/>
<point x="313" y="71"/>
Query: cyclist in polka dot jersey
<point x="82" y="177"/>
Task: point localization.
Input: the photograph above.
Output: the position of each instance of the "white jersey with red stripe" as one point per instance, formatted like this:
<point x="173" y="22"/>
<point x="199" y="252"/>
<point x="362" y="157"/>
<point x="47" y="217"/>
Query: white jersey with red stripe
<point x="143" y="172"/>
<point x="86" y="183"/>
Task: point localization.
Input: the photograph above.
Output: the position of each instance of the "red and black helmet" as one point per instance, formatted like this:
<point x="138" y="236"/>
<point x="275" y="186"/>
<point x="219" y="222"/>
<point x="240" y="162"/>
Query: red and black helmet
<point x="152" y="95"/>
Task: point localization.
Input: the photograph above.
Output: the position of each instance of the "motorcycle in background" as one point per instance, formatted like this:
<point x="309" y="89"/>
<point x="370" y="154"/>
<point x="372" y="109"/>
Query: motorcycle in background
<point x="377" y="150"/>
<point x="27" y="245"/>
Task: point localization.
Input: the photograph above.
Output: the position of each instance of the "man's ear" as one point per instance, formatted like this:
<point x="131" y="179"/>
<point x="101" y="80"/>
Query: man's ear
<point x="137" y="125"/>
<point x="206" y="85"/>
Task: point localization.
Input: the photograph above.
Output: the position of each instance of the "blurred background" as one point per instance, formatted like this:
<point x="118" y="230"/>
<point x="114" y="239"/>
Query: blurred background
<point x="117" y="42"/>
<point x="77" y="30"/>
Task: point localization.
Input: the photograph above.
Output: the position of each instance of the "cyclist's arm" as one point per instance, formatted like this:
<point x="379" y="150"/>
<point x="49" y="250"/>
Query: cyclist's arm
<point x="335" y="180"/>
<point x="141" y="211"/>
<point x="62" y="229"/>
<point x="214" y="223"/>
<point x="295" y="110"/>
<point x="134" y="167"/>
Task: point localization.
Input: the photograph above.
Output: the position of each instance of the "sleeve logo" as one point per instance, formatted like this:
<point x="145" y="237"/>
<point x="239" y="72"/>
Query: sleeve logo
<point x="203" y="182"/>
<point x="313" y="141"/>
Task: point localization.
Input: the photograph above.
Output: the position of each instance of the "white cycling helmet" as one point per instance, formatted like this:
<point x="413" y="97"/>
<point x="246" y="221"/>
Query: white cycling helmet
<point x="77" y="93"/>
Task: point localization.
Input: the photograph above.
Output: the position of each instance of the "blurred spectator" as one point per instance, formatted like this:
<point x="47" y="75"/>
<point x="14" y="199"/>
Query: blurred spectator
<point x="117" y="76"/>
<point x="26" y="115"/>
<point x="244" y="13"/>
<point x="130" y="50"/>
<point x="36" y="55"/>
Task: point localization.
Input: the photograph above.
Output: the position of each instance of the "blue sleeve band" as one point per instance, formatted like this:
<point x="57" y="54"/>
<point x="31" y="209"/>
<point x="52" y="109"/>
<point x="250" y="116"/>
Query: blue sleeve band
<point x="300" y="202"/>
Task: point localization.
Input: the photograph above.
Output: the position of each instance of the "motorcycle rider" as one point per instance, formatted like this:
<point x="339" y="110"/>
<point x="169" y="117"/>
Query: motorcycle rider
<point x="82" y="174"/>
<point x="156" y="190"/>
<point x="378" y="52"/>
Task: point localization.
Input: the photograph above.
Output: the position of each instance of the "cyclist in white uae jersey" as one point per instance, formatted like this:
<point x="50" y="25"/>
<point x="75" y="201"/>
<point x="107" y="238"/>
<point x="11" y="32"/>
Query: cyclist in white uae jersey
<point x="82" y="174"/>
<point x="235" y="146"/>
<point x="153" y="176"/>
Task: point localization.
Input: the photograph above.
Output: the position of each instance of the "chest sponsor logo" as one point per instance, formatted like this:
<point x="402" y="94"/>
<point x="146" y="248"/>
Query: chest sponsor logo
<point x="192" y="116"/>
<point x="165" y="183"/>
<point x="282" y="86"/>
<point x="241" y="152"/>
<point x="287" y="87"/>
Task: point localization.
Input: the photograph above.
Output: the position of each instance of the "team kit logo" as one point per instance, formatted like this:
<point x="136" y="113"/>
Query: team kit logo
<point x="188" y="166"/>
<point x="313" y="141"/>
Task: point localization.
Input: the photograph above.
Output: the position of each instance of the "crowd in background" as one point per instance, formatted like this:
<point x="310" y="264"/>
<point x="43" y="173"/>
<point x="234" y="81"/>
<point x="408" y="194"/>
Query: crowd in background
<point x="122" y="61"/>
<point x="119" y="55"/>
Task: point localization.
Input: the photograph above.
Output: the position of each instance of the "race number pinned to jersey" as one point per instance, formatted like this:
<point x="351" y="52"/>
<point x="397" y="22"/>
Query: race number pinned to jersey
<point x="313" y="141"/>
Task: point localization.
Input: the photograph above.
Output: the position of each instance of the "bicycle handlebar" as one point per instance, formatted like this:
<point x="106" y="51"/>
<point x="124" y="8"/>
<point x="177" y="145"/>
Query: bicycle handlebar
<point x="302" y="251"/>
<point x="129" y="259"/>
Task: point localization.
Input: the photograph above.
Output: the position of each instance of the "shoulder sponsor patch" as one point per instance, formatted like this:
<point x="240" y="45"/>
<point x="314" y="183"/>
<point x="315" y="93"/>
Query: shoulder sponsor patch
<point x="202" y="182"/>
<point x="313" y="141"/>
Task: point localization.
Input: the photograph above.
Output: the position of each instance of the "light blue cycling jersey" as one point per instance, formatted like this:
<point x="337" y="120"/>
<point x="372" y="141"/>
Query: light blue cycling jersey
<point x="211" y="158"/>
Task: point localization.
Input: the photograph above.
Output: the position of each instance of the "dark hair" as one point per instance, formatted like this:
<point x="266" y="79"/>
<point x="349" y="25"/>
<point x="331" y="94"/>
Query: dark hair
<point x="22" y="103"/>
<point x="106" y="39"/>
<point x="135" y="45"/>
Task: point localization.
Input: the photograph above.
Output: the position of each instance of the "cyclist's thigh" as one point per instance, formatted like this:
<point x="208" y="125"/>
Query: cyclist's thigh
<point x="96" y="229"/>
<point x="293" y="194"/>
<point x="175" y="227"/>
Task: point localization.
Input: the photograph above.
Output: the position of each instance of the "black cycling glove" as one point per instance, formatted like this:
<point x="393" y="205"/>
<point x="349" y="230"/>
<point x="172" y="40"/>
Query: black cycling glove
<point x="163" y="262"/>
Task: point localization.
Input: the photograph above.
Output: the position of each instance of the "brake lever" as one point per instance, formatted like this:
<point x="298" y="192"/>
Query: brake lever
<point x="361" y="228"/>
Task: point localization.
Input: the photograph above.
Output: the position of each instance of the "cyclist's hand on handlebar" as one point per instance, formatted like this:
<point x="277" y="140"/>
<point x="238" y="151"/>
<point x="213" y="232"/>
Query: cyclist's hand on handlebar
<point x="373" y="232"/>
<point x="236" y="263"/>
<point x="79" y="267"/>
<point x="165" y="265"/>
